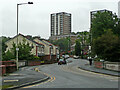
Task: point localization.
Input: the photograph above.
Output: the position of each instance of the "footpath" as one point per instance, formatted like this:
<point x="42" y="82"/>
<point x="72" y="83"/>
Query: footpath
<point x="84" y="64"/>
<point x="23" y="77"/>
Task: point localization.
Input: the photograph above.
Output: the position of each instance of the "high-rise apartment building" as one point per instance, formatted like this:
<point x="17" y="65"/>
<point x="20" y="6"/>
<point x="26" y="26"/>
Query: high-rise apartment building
<point x="119" y="9"/>
<point x="60" y="23"/>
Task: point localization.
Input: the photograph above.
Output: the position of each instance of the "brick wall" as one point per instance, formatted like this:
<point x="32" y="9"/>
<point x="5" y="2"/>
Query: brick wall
<point x="46" y="57"/>
<point x="53" y="57"/>
<point x="7" y="67"/>
<point x="2" y="70"/>
<point x="34" y="63"/>
<point x="98" y="64"/>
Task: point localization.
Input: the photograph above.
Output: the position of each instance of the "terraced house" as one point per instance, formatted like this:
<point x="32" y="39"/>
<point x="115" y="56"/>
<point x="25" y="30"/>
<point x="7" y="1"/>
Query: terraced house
<point x="37" y="48"/>
<point x="40" y="47"/>
<point x="50" y="51"/>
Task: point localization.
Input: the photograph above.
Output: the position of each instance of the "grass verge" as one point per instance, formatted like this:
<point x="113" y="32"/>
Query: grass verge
<point x="5" y="87"/>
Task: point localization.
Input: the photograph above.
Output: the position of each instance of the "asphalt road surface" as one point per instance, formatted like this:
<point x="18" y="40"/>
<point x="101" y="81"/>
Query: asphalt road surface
<point x="69" y="76"/>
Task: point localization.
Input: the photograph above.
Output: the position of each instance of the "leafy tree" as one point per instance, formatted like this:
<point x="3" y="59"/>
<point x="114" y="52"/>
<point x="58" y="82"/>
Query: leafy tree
<point x="13" y="49"/>
<point x="77" y="48"/>
<point x="107" y="46"/>
<point x="103" y="21"/>
<point x="8" y="56"/>
<point x="62" y="43"/>
<point x="3" y="46"/>
<point x="117" y="30"/>
<point x="83" y="37"/>
<point x="69" y="43"/>
<point x="73" y="33"/>
<point x="24" y="52"/>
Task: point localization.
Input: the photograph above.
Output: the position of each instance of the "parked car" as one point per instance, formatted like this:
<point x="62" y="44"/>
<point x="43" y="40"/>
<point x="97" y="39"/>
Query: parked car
<point x="67" y="56"/>
<point x="62" y="61"/>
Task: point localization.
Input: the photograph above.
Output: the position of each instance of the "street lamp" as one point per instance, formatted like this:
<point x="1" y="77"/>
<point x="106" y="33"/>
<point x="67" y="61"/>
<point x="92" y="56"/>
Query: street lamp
<point x="17" y="32"/>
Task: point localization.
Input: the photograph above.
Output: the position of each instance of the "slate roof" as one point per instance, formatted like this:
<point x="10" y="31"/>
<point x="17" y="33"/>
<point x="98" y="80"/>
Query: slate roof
<point x="26" y="38"/>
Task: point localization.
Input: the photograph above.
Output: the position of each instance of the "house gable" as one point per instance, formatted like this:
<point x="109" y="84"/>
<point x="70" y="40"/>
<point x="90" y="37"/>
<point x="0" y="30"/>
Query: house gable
<point x="46" y="46"/>
<point x="22" y="38"/>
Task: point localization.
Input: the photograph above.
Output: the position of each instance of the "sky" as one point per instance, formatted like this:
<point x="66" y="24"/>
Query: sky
<point x="34" y="19"/>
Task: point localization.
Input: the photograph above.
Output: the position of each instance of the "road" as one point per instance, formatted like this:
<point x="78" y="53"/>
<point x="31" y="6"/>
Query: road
<point x="69" y="76"/>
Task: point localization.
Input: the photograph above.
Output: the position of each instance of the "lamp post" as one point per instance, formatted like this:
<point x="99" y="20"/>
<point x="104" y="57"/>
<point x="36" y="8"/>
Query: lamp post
<point x="17" y="32"/>
<point x="82" y="45"/>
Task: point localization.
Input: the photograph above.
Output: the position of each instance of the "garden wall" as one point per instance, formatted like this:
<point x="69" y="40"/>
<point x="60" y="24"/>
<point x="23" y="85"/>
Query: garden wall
<point x="115" y="66"/>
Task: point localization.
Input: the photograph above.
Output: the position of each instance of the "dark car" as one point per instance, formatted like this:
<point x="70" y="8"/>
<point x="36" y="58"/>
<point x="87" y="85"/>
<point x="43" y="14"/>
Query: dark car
<point x="62" y="61"/>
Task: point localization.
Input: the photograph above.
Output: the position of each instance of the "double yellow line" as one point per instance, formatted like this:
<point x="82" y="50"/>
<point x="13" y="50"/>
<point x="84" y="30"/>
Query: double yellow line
<point x="52" y="78"/>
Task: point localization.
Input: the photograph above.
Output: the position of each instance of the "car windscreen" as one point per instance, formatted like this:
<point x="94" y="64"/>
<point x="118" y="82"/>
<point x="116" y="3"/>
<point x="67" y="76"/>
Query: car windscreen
<point x="61" y="60"/>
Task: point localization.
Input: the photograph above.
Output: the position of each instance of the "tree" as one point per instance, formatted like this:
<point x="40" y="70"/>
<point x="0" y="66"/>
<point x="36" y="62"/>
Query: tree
<point x="24" y="52"/>
<point x="117" y="30"/>
<point x="62" y="43"/>
<point x="8" y="56"/>
<point x="4" y="46"/>
<point x="73" y="33"/>
<point x="103" y="21"/>
<point x="107" y="46"/>
<point x="83" y="38"/>
<point x="77" y="48"/>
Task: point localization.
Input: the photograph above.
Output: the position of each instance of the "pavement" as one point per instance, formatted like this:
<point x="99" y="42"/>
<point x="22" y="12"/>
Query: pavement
<point x="23" y="77"/>
<point x="84" y="64"/>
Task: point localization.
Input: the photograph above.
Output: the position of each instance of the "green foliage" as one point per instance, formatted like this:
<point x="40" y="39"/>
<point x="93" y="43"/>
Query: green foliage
<point x="13" y="49"/>
<point x="8" y="56"/>
<point x="24" y="52"/>
<point x="105" y="31"/>
<point x="103" y="21"/>
<point x="4" y="46"/>
<point x="83" y="37"/>
<point x="3" y="87"/>
<point x="82" y="33"/>
<point x="117" y="29"/>
<point x="36" y="58"/>
<point x="62" y="43"/>
<point x="77" y="48"/>
<point x="107" y="46"/>
<point x="97" y="59"/>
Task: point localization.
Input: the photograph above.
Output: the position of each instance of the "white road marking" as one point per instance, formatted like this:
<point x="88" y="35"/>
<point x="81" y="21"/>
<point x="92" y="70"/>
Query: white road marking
<point x="11" y="80"/>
